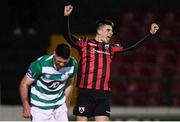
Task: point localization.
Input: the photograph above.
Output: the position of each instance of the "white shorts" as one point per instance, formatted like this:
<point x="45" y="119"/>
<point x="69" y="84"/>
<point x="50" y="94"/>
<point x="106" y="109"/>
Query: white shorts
<point x="59" y="114"/>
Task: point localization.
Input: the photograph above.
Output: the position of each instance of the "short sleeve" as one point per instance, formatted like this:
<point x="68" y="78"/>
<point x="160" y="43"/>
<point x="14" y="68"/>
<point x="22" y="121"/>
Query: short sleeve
<point x="34" y="70"/>
<point x="81" y="42"/>
<point x="75" y="64"/>
<point x="117" y="48"/>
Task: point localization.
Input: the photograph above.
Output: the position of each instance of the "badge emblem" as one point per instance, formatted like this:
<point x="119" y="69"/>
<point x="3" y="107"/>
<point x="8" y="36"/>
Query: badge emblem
<point x="81" y="109"/>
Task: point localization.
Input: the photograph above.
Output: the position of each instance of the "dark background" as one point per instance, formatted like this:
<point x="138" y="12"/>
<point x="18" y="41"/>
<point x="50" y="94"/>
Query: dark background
<point x="46" y="15"/>
<point x="26" y="27"/>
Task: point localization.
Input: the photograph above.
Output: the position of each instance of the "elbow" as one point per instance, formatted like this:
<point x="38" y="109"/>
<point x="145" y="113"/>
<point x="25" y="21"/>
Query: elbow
<point x="66" y="37"/>
<point x="70" y="41"/>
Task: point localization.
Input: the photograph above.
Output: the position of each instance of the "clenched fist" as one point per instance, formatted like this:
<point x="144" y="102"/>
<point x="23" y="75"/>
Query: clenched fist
<point x="154" y="28"/>
<point x="67" y="10"/>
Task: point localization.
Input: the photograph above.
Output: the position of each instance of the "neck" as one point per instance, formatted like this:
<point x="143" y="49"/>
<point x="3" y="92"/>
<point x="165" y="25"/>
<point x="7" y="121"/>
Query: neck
<point x="54" y="64"/>
<point x="98" y="38"/>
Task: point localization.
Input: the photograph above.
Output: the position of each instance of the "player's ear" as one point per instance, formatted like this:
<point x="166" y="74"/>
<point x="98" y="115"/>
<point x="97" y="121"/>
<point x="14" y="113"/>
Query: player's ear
<point x="99" y="31"/>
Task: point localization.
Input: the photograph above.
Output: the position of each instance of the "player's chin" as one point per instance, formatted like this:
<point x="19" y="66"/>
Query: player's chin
<point x="58" y="67"/>
<point x="107" y="40"/>
<point x="153" y="33"/>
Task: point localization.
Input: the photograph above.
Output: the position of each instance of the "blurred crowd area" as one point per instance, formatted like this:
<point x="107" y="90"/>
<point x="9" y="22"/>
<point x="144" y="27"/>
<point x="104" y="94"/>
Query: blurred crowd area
<point x="147" y="76"/>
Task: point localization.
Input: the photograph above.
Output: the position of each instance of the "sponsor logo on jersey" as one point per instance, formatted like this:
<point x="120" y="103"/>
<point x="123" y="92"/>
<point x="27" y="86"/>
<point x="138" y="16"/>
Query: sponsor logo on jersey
<point x="54" y="84"/>
<point x="103" y="52"/>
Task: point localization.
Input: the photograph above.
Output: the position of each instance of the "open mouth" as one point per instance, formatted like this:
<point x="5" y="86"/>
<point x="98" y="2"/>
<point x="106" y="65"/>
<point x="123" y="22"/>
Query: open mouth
<point x="109" y="37"/>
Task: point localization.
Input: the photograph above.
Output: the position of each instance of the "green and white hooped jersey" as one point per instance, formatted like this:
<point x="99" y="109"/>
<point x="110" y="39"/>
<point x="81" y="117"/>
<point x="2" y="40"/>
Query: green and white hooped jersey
<point x="47" y="91"/>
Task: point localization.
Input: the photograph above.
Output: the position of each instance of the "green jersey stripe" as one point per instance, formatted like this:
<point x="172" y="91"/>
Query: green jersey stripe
<point x="49" y="77"/>
<point x="38" y="103"/>
<point x="35" y="97"/>
<point x="44" y="91"/>
<point x="45" y="96"/>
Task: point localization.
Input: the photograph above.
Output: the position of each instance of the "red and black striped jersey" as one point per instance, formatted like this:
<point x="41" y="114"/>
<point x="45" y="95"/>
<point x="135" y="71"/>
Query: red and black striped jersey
<point x="95" y="58"/>
<point x="94" y="63"/>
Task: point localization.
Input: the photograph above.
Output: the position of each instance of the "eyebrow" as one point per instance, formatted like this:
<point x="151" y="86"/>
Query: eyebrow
<point x="109" y="29"/>
<point x="66" y="61"/>
<point x="61" y="61"/>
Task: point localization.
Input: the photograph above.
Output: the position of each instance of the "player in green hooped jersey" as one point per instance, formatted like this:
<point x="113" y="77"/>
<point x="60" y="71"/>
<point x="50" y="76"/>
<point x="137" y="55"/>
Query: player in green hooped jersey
<point x="50" y="78"/>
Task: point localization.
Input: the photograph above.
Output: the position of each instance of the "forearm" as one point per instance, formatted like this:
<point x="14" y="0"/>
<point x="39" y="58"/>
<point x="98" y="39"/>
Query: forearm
<point x="67" y="33"/>
<point x="68" y="95"/>
<point x="24" y="94"/>
<point x="23" y="89"/>
<point x="135" y="44"/>
<point x="68" y="92"/>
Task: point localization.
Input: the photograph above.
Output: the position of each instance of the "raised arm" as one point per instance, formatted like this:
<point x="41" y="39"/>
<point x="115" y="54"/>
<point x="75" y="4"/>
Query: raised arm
<point x="135" y="44"/>
<point x="66" y="28"/>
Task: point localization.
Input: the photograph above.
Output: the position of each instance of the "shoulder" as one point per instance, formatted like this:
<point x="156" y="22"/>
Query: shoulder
<point x="84" y="39"/>
<point x="73" y="61"/>
<point x="43" y="60"/>
<point x="115" y="45"/>
<point x="73" y="64"/>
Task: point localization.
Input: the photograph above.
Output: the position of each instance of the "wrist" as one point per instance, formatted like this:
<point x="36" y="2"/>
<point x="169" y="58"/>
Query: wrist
<point x="25" y="103"/>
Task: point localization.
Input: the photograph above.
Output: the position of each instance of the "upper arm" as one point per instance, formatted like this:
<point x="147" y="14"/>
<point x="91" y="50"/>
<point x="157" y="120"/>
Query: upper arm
<point x="69" y="37"/>
<point x="69" y="82"/>
<point x="117" y="48"/>
<point x="34" y="71"/>
<point x="75" y="65"/>
<point x="134" y="44"/>
<point x="77" y="42"/>
<point x="32" y="74"/>
<point x="26" y="81"/>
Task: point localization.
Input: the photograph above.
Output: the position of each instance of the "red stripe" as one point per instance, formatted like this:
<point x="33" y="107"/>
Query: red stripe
<point x="100" y="67"/>
<point x="91" y="67"/>
<point x="83" y="65"/>
<point x="107" y="76"/>
<point x="117" y="49"/>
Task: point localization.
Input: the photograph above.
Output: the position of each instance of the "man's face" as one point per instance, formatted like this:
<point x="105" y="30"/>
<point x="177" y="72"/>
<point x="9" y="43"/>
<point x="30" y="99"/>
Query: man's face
<point x="59" y="61"/>
<point x="105" y="33"/>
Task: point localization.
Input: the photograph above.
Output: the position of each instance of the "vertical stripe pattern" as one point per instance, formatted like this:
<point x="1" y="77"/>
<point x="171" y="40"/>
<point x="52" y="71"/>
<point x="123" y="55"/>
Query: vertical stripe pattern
<point x="94" y="65"/>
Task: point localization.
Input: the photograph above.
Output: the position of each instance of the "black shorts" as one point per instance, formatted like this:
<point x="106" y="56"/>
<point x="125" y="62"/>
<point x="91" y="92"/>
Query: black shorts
<point x="92" y="103"/>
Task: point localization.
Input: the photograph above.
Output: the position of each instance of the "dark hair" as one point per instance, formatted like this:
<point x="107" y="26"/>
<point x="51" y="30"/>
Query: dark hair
<point x="63" y="50"/>
<point x="102" y="22"/>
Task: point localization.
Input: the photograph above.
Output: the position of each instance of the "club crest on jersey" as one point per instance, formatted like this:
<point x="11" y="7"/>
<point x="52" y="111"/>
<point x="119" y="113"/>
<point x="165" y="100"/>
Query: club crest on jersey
<point x="106" y="46"/>
<point x="81" y="109"/>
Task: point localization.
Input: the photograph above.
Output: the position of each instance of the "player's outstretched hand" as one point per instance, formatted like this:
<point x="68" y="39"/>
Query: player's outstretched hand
<point x="154" y="28"/>
<point x="67" y="10"/>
